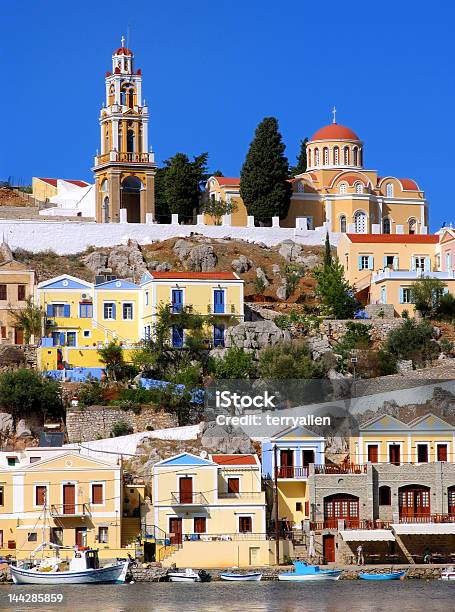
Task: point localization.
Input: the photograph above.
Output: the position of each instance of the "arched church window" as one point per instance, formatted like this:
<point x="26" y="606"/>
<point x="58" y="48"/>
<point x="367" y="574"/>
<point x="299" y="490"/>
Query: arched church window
<point x="360" y="157"/>
<point x="389" y="190"/>
<point x="386" y="226"/>
<point x="309" y="158"/>
<point x="104" y="185"/>
<point x="358" y="187"/>
<point x="355" y="153"/>
<point x="336" y="156"/>
<point x="123" y="97"/>
<point x="412" y="226"/>
<point x="131" y="98"/>
<point x="326" y="156"/>
<point x="106" y="209"/>
<point x="346" y="155"/>
<point x="130" y="141"/>
<point x="343" y="223"/>
<point x="343" y="187"/>
<point x="316" y="157"/>
<point x="360" y="222"/>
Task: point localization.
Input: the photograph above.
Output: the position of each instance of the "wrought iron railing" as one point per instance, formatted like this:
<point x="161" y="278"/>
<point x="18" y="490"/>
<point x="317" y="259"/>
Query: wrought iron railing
<point x="292" y="472"/>
<point x="62" y="510"/>
<point x="194" y="498"/>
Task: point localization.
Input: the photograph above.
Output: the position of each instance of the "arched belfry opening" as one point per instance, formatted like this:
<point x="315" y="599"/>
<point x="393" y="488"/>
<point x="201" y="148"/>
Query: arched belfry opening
<point x="131" y="198"/>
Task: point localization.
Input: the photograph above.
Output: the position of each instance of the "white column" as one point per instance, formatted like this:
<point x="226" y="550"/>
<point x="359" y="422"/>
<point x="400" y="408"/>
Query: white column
<point x="145" y="135"/>
<point x="250" y="221"/>
<point x="200" y="220"/>
<point x="138" y="83"/>
<point x="275" y="222"/>
<point x="226" y="221"/>
<point x="174" y="219"/>
<point x="117" y="91"/>
<point x="328" y="212"/>
<point x="149" y="218"/>
<point x="103" y="140"/>
<point x="123" y="215"/>
<point x="115" y="142"/>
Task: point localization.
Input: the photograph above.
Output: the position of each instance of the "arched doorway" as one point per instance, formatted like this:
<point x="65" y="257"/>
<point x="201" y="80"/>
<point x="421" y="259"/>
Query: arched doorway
<point x="360" y="221"/>
<point x="341" y="506"/>
<point x="414" y="502"/>
<point x="131" y="198"/>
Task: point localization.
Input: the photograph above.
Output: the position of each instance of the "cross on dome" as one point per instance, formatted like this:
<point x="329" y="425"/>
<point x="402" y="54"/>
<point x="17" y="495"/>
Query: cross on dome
<point x="334" y="113"/>
<point x="123" y="41"/>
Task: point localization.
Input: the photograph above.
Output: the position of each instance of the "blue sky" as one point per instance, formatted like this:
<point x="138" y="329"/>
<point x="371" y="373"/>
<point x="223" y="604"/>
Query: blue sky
<point x="213" y="70"/>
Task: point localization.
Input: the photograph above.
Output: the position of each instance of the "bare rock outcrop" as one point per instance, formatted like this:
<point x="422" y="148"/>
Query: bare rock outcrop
<point x="242" y="264"/>
<point x="255" y="335"/>
<point x="196" y="258"/>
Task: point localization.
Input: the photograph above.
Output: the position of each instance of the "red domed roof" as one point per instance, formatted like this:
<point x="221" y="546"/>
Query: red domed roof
<point x="123" y="51"/>
<point x="334" y="131"/>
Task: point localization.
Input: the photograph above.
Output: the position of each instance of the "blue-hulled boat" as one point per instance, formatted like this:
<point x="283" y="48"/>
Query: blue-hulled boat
<point x="385" y="576"/>
<point x="303" y="571"/>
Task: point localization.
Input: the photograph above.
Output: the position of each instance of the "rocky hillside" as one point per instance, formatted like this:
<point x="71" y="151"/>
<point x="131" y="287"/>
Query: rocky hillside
<point x="250" y="261"/>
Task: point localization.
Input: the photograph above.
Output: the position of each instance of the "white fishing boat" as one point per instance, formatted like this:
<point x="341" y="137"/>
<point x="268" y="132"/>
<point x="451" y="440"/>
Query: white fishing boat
<point x="304" y="572"/>
<point x="189" y="575"/>
<point x="246" y="577"/>
<point x="448" y="573"/>
<point x="83" y="568"/>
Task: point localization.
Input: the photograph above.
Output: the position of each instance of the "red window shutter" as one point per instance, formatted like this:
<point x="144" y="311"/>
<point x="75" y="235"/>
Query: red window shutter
<point x="233" y="485"/>
<point x="40" y="492"/>
<point x="97" y="494"/>
<point x="21" y="293"/>
<point x="3" y="292"/>
<point x="200" y="524"/>
<point x="307" y="509"/>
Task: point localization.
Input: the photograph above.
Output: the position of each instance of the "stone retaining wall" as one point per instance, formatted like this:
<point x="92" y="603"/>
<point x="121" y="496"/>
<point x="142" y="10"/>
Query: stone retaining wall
<point x="335" y="329"/>
<point x="95" y="422"/>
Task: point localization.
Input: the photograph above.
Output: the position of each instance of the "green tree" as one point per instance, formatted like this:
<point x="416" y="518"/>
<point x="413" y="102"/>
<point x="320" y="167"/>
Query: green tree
<point x="264" y="185"/>
<point x="328" y="259"/>
<point x="426" y="294"/>
<point x="236" y="363"/>
<point x="179" y="185"/>
<point x="412" y="340"/>
<point x="217" y="208"/>
<point x="292" y="274"/>
<point x="25" y="391"/>
<point x="301" y="165"/>
<point x="112" y="357"/>
<point x="336" y="294"/>
<point x="446" y="307"/>
<point x="29" y="318"/>
<point x="288" y="360"/>
<point x="162" y="210"/>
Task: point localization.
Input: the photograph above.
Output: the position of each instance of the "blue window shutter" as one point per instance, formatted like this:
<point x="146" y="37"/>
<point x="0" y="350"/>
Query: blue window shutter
<point x="113" y="311"/>
<point x="62" y="338"/>
<point x="413" y="263"/>
<point x="49" y="310"/>
<point x="384" y="261"/>
<point x="427" y="264"/>
<point x="66" y="310"/>
<point x="370" y="262"/>
<point x="401" y="296"/>
<point x="360" y="262"/>
<point x="395" y="263"/>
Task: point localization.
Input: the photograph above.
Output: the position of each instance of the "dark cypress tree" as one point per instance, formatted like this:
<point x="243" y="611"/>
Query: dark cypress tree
<point x="328" y="260"/>
<point x="264" y="187"/>
<point x="301" y="165"/>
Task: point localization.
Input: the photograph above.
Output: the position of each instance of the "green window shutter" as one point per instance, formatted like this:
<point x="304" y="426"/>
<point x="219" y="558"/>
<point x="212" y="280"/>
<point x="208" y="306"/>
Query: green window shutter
<point x="395" y="263"/>
<point x="370" y="262"/>
<point x="360" y="262"/>
<point x="401" y="295"/>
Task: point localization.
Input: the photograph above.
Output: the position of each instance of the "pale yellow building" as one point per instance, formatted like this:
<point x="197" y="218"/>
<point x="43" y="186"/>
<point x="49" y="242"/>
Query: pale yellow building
<point x="212" y="509"/>
<point x="16" y="286"/>
<point x="339" y="190"/>
<point x="59" y="495"/>
<point x="43" y="189"/>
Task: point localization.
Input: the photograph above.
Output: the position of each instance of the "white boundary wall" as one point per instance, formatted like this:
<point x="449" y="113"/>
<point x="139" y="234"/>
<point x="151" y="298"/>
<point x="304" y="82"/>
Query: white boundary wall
<point x="66" y="237"/>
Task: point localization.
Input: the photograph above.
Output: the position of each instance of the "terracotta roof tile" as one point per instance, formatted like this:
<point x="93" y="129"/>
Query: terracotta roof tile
<point x="394" y="238"/>
<point x="194" y="275"/>
<point x="333" y="131"/>
<point x="225" y="180"/>
<point x="234" y="459"/>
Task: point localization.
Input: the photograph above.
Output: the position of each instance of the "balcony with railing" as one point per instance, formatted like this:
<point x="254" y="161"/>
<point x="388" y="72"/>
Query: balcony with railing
<point x="297" y="473"/>
<point x="351" y="468"/>
<point x="409" y="275"/>
<point x="206" y="309"/>
<point x="184" y="498"/>
<point x="70" y="510"/>
<point x="242" y="495"/>
<point x="125" y="157"/>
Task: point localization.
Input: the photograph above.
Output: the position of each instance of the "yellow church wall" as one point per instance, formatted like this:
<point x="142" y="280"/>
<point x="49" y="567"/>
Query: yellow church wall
<point x="301" y="207"/>
<point x="41" y="190"/>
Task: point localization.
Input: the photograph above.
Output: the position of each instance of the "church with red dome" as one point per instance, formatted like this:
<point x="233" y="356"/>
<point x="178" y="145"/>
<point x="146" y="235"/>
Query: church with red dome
<point x="340" y="192"/>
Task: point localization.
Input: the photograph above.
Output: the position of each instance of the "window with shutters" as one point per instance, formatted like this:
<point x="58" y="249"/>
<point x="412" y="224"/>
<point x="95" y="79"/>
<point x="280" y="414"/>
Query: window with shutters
<point x="406" y="293"/>
<point x="32" y="536"/>
<point x="233" y="485"/>
<point x="385" y="496"/>
<point x="127" y="311"/>
<point x="103" y="535"/>
<point x="109" y="311"/>
<point x="3" y="330"/>
<point x="3" y="294"/>
<point x="57" y="310"/>
<point x="419" y="263"/>
<point x="21" y="293"/>
<point x="245" y="524"/>
<point x="85" y="310"/>
<point x="97" y="494"/>
<point x="442" y="452"/>
<point x="200" y="524"/>
<point x="364" y="262"/>
<point x="40" y="495"/>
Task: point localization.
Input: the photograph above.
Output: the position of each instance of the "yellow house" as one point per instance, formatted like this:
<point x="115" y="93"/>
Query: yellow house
<point x="59" y="495"/>
<point x="43" y="189"/>
<point x="81" y="317"/>
<point x="290" y="453"/>
<point x="383" y="267"/>
<point x="16" y="285"/>
<point x="339" y="190"/>
<point x="386" y="439"/>
<point x="225" y="189"/>
<point x="212" y="509"/>
<point x="207" y="293"/>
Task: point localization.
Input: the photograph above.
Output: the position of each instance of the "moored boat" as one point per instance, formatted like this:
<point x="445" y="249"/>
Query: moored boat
<point x="303" y="572"/>
<point x="448" y="574"/>
<point x="237" y="577"/>
<point x="383" y="576"/>
<point x="189" y="575"/>
<point x="83" y="568"/>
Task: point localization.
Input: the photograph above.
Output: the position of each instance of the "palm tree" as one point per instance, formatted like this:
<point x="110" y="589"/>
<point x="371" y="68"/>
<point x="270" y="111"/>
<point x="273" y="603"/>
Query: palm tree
<point x="30" y="319"/>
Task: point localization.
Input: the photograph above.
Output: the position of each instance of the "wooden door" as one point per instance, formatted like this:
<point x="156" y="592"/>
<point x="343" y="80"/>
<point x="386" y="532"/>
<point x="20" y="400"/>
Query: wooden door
<point x="328" y="547"/>
<point x="373" y="453"/>
<point x="69" y="499"/>
<point x="175" y="530"/>
<point x="414" y="502"/>
<point x="81" y="536"/>
<point x="307" y="457"/>
<point x="394" y="454"/>
<point x="200" y="524"/>
<point x="442" y="452"/>
<point x="186" y="490"/>
<point x="286" y="464"/>
<point x="233" y="485"/>
<point x="18" y="335"/>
